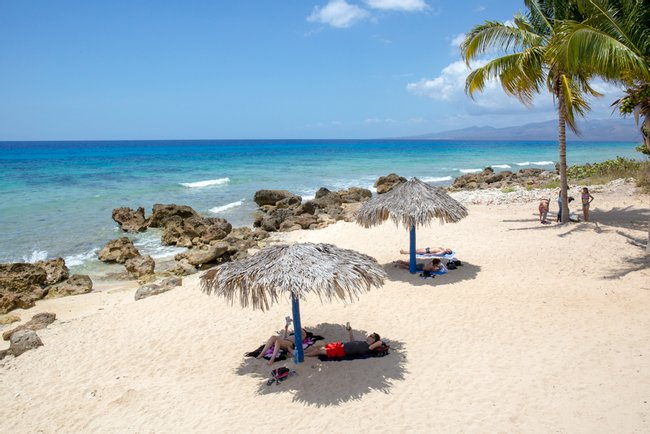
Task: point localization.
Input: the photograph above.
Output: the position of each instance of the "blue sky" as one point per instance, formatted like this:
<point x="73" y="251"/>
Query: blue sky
<point x="91" y="70"/>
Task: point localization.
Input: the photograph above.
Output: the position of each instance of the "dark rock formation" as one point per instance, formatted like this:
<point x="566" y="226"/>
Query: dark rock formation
<point x="38" y="322"/>
<point x="24" y="340"/>
<point x="21" y="285"/>
<point x="204" y="255"/>
<point x="130" y="220"/>
<point x="183" y="268"/>
<point x="354" y="194"/>
<point x="272" y="197"/>
<point x="194" y="231"/>
<point x="155" y="289"/>
<point x="56" y="270"/>
<point x="387" y="183"/>
<point x="118" y="250"/>
<point x="74" y="285"/>
<point x="161" y="213"/>
<point x="140" y="266"/>
<point x="531" y="178"/>
<point x="281" y="211"/>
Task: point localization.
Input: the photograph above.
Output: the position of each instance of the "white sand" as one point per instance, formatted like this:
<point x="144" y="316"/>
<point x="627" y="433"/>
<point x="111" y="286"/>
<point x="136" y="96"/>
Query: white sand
<point x="545" y="328"/>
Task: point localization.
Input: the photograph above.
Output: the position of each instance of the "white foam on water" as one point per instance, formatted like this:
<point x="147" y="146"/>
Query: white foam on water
<point x="37" y="255"/>
<point x="222" y="208"/>
<point x="543" y="163"/>
<point x="502" y="166"/>
<point x="525" y="163"/>
<point x="309" y="197"/>
<point x="207" y="183"/>
<point x="149" y="244"/>
<point x="470" y="170"/>
<point x="437" y="179"/>
<point x="80" y="258"/>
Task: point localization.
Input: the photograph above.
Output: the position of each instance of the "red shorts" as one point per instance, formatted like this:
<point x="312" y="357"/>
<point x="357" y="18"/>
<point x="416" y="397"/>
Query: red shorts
<point x="334" y="349"/>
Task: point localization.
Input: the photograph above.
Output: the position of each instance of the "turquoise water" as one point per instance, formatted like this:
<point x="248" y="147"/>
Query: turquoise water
<point x="57" y="197"/>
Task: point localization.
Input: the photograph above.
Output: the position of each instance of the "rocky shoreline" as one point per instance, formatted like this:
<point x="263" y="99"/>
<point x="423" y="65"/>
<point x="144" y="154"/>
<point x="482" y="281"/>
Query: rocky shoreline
<point x="211" y="241"/>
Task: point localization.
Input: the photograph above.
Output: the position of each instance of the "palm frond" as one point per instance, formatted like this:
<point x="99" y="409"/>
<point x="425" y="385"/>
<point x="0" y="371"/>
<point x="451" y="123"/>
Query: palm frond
<point x="493" y="35"/>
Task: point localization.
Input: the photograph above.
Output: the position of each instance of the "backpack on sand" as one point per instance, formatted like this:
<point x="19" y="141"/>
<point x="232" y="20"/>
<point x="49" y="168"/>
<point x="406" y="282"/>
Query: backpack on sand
<point x="278" y="375"/>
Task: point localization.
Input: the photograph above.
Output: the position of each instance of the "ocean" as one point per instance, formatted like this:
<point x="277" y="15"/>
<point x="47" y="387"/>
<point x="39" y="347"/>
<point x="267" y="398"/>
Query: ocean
<point x="56" y="198"/>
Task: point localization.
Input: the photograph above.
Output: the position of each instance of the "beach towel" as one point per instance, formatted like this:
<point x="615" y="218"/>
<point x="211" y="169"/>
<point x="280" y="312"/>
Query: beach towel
<point x="282" y="354"/>
<point x="451" y="255"/>
<point x="380" y="351"/>
<point x="426" y="273"/>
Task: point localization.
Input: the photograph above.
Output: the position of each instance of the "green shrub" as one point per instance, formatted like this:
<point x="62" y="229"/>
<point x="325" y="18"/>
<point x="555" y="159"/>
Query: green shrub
<point x="552" y="184"/>
<point x="508" y="189"/>
<point x="602" y="173"/>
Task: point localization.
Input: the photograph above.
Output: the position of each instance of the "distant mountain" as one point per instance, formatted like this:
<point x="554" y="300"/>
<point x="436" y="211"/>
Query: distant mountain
<point x="603" y="130"/>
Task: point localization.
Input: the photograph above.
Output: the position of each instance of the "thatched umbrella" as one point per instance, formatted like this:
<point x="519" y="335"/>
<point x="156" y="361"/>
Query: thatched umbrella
<point x="295" y="270"/>
<point x="413" y="204"/>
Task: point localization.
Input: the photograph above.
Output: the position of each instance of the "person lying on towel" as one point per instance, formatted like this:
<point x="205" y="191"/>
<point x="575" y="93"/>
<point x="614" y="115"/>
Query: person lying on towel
<point x="342" y="349"/>
<point x="430" y="251"/>
<point x="284" y="342"/>
<point x="433" y="266"/>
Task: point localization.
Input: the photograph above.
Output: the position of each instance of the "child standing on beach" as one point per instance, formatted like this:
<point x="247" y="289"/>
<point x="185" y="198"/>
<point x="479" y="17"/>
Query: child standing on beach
<point x="587" y="198"/>
<point x="543" y="210"/>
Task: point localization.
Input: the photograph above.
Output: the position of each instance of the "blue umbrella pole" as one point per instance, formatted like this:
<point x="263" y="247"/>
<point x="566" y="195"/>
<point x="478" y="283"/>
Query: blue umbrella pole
<point x="297" y="328"/>
<point x="412" y="266"/>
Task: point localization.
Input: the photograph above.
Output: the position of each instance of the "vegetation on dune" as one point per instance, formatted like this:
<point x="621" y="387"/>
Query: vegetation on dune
<point x="602" y="173"/>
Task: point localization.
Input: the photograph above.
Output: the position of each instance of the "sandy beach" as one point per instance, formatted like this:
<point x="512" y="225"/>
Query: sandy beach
<point x="544" y="328"/>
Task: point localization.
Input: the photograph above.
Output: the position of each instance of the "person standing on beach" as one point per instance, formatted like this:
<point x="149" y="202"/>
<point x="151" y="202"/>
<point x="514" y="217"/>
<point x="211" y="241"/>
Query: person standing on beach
<point x="587" y="198"/>
<point x="559" y="206"/>
<point x="543" y="210"/>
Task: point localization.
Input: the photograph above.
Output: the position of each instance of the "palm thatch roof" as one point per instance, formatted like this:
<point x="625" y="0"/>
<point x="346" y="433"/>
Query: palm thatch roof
<point x="294" y="269"/>
<point x="412" y="203"/>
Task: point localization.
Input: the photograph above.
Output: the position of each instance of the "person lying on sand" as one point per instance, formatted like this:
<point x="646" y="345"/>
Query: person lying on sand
<point x="349" y="348"/>
<point x="285" y="342"/>
<point x="430" y="251"/>
<point x="434" y="265"/>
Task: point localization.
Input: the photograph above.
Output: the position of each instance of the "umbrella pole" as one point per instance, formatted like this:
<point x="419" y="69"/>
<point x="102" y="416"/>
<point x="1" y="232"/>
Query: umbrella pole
<point x="297" y="327"/>
<point x="412" y="266"/>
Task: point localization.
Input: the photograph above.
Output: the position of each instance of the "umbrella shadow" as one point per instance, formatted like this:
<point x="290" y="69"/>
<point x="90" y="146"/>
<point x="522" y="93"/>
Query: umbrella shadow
<point x="329" y="383"/>
<point x="466" y="271"/>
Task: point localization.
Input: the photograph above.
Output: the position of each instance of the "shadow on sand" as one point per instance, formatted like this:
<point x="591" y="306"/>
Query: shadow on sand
<point x="630" y="264"/>
<point x="331" y="383"/>
<point x="629" y="218"/>
<point x="463" y="272"/>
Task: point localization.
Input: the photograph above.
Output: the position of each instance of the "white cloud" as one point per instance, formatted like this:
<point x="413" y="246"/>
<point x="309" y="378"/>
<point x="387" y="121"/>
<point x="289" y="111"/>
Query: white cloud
<point x="457" y="40"/>
<point x="493" y="106"/>
<point x="446" y="87"/>
<point x="338" y="13"/>
<point x="397" y="5"/>
<point x="480" y="8"/>
<point x="374" y="121"/>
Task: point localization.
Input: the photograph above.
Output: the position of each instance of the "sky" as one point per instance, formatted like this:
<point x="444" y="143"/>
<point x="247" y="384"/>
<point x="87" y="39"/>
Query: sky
<point x="281" y="69"/>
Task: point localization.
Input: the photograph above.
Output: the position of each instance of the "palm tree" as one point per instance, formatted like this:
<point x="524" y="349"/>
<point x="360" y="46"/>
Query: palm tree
<point x="613" y="42"/>
<point x="526" y="65"/>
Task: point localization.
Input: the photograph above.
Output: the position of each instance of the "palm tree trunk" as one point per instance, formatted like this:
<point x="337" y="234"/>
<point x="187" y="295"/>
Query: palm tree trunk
<point x="645" y="131"/>
<point x="564" y="186"/>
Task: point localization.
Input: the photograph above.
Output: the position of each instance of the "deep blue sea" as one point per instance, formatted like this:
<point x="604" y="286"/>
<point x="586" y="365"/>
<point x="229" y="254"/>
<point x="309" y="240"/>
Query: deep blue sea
<point x="56" y="198"/>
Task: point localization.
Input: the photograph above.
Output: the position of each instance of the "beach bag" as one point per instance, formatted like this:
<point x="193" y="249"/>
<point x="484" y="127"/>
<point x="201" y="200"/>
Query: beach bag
<point x="451" y="265"/>
<point x="278" y="375"/>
